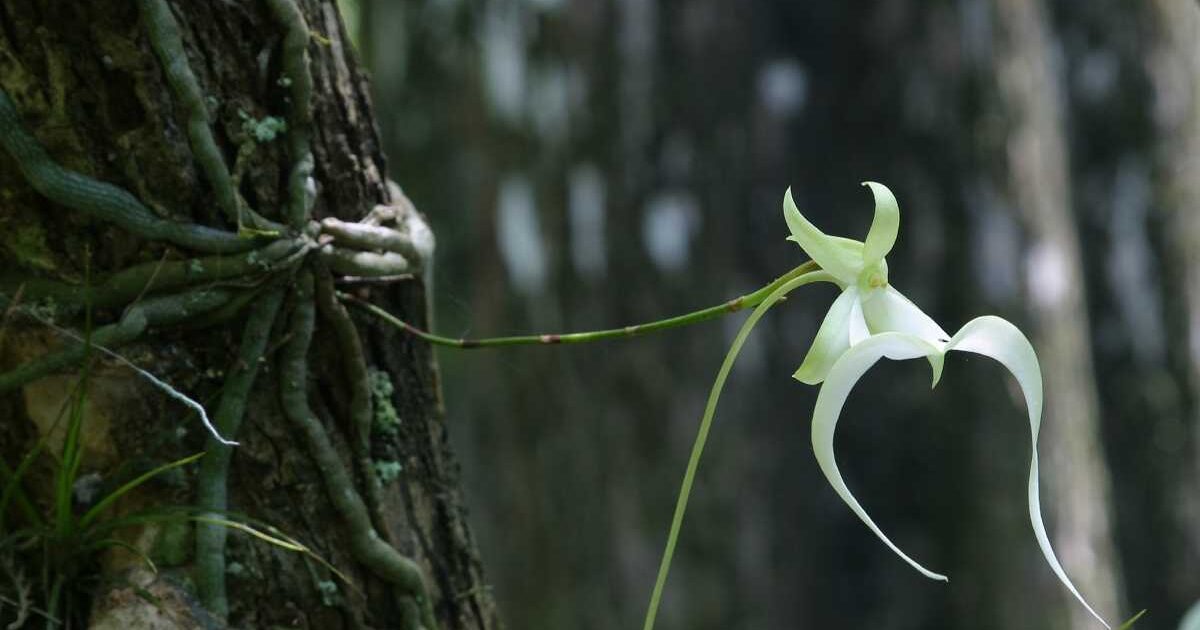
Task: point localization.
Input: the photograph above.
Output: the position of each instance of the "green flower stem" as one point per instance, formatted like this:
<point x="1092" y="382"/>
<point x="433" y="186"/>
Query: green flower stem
<point x="354" y="368"/>
<point x="695" y="317"/>
<point x="710" y="408"/>
<point x="100" y="199"/>
<point x="295" y="68"/>
<point x="211" y="487"/>
<point x="365" y="544"/>
<point x="168" y="46"/>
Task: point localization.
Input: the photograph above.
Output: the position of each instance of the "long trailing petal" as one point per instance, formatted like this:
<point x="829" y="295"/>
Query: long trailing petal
<point x="884" y="227"/>
<point x="841" y="257"/>
<point x="887" y="310"/>
<point x="994" y="337"/>
<point x="833" y="338"/>
<point x="841" y="379"/>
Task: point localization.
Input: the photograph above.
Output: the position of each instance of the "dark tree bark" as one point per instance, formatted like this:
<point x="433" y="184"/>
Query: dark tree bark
<point x="88" y="85"/>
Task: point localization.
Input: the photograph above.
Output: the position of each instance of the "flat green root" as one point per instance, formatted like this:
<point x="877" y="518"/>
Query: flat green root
<point x="365" y="544"/>
<point x="295" y="66"/>
<point x="100" y="199"/>
<point x="168" y="46"/>
<point x="126" y="285"/>
<point x="364" y="264"/>
<point x="362" y="413"/>
<point x="211" y="488"/>
<point x="154" y="312"/>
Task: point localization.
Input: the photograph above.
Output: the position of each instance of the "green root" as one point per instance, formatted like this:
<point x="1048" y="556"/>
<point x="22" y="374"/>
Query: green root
<point x="126" y="285"/>
<point x="154" y="312"/>
<point x="168" y="46"/>
<point x="211" y="488"/>
<point x="100" y="199"/>
<point x="364" y="264"/>
<point x="365" y="544"/>
<point x="362" y="413"/>
<point x="295" y="66"/>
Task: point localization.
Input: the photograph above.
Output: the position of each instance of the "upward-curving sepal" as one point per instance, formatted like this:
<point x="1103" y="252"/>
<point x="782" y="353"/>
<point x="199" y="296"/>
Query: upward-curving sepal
<point x="839" y="256"/>
<point x="884" y="227"/>
<point x="994" y="337"/>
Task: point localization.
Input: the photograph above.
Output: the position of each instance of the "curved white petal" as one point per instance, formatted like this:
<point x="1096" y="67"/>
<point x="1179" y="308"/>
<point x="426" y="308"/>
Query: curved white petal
<point x="887" y="310"/>
<point x="839" y="256"/>
<point x="858" y="324"/>
<point x="833" y="338"/>
<point x="996" y="338"/>
<point x="841" y="379"/>
<point x="884" y="227"/>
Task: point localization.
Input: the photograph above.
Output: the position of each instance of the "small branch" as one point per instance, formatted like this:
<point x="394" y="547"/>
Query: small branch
<point x="732" y="306"/>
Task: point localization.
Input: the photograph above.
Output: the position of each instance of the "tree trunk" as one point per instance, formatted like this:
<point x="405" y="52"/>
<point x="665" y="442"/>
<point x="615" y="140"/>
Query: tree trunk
<point x="1039" y="181"/>
<point x="1174" y="64"/>
<point x="95" y="84"/>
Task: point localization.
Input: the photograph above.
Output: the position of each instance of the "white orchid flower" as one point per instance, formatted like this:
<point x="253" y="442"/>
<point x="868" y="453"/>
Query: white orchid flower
<point x="871" y="320"/>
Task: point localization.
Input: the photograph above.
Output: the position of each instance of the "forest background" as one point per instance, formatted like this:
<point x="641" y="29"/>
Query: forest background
<point x="588" y="164"/>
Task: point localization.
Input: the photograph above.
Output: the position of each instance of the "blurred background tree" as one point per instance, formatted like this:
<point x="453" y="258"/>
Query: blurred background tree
<point x="589" y="163"/>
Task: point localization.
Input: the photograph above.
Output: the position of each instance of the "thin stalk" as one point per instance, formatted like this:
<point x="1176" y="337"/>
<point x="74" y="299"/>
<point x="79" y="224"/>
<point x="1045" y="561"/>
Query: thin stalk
<point x="695" y="317"/>
<point x="689" y="477"/>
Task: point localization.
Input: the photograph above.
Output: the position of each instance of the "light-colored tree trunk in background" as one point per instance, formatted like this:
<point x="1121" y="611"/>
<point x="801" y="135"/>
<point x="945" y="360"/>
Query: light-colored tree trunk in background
<point x="1175" y="68"/>
<point x="1074" y="472"/>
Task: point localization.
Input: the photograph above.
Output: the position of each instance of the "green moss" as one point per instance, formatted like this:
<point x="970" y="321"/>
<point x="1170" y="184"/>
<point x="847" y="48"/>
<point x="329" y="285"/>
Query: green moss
<point x="386" y="419"/>
<point x="27" y="242"/>
<point x="387" y="470"/>
<point x="263" y="129"/>
<point x="328" y="590"/>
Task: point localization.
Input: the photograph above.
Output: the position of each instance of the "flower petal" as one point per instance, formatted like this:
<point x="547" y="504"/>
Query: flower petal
<point x="884" y="227"/>
<point x="839" y="256"/>
<point x="858" y="324"/>
<point x="887" y="310"/>
<point x="833" y="338"/>
<point x="841" y="379"/>
<point x="996" y="338"/>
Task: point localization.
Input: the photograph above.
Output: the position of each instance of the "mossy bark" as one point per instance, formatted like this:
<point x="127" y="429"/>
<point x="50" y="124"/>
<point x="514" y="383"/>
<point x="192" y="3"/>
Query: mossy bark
<point x="88" y="85"/>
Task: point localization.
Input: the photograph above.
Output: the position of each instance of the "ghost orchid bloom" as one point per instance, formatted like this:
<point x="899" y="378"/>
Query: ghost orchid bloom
<point x="871" y="320"/>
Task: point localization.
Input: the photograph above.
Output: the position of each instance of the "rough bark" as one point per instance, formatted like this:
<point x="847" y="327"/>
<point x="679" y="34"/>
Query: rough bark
<point x="88" y="85"/>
